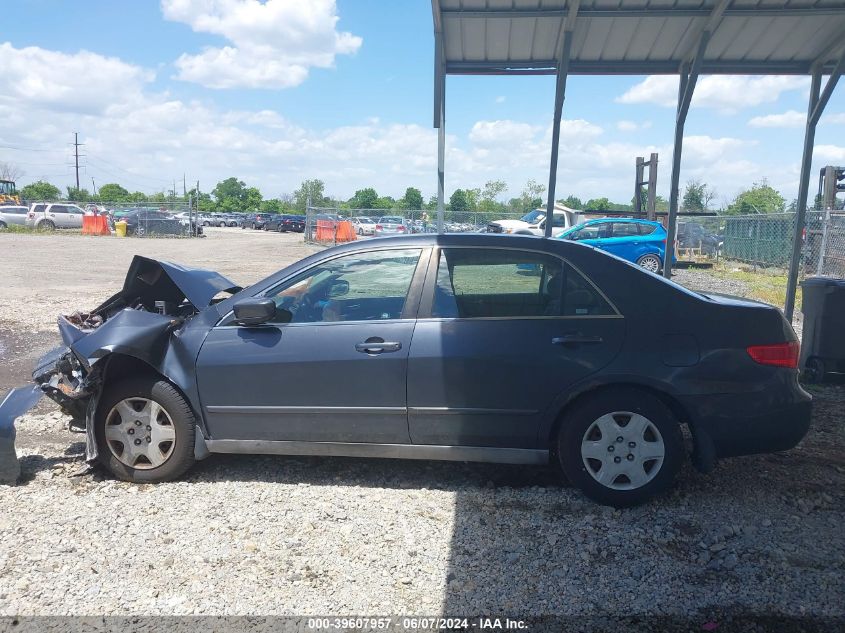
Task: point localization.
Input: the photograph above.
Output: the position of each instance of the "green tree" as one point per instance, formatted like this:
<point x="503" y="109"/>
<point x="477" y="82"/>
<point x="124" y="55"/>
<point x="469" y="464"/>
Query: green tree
<point x="252" y="199"/>
<point x="530" y="198"/>
<point x="139" y="196"/>
<point x="364" y="199"/>
<point x="230" y="195"/>
<point x="697" y="196"/>
<point x="473" y="198"/>
<point x="312" y="190"/>
<point x="413" y="198"/>
<point x="573" y="202"/>
<point x="112" y="192"/>
<point x="40" y="190"/>
<point x="598" y="204"/>
<point x="78" y="195"/>
<point x="760" y="198"/>
<point x="458" y="201"/>
<point x="490" y="194"/>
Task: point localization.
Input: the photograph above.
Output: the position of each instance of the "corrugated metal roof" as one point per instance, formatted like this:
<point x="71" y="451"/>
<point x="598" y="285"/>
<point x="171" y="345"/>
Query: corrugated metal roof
<point x="638" y="37"/>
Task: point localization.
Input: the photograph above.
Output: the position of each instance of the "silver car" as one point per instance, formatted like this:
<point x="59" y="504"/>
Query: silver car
<point x="392" y="225"/>
<point x="12" y="215"/>
<point x="55" y="215"/>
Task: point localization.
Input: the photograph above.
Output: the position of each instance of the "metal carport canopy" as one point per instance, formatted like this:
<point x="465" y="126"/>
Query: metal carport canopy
<point x="639" y="37"/>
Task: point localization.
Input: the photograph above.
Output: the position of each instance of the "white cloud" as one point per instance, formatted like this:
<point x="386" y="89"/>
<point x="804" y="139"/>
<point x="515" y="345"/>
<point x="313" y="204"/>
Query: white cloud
<point x="500" y="99"/>
<point x="727" y="93"/>
<point x="272" y="44"/>
<point x="50" y="79"/>
<point x="498" y="132"/>
<point x="790" y="118"/>
<point x="829" y="154"/>
<point x="632" y="126"/>
<point x="837" y="118"/>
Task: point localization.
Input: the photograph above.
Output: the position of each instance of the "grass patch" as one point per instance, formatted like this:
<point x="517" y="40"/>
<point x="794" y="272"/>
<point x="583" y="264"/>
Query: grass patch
<point x="763" y="284"/>
<point x="18" y="228"/>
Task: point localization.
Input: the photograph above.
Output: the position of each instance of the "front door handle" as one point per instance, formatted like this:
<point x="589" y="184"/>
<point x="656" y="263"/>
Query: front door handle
<point x="576" y="339"/>
<point x="375" y="345"/>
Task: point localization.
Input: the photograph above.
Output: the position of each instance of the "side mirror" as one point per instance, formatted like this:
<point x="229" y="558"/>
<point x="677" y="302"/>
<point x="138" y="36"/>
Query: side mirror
<point x="254" y="311"/>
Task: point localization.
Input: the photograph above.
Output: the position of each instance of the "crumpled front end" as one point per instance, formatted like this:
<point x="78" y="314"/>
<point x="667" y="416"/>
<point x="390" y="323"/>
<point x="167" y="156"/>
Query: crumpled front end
<point x="139" y="322"/>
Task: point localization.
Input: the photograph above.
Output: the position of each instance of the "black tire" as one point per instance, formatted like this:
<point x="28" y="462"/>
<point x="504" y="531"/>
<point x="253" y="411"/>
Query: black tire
<point x="46" y="225"/>
<point x="579" y="420"/>
<point x="180" y="459"/>
<point x="651" y="262"/>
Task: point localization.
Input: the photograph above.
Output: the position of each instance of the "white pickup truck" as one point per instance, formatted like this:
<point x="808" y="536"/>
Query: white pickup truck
<point x="534" y="222"/>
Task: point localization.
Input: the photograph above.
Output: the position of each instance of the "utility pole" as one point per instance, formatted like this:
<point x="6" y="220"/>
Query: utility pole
<point x="184" y="187"/>
<point x="76" y="156"/>
<point x="93" y="185"/>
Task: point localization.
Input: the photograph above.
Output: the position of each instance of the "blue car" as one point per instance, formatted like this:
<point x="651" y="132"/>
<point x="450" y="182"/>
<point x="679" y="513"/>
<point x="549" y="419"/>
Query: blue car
<point x="639" y="241"/>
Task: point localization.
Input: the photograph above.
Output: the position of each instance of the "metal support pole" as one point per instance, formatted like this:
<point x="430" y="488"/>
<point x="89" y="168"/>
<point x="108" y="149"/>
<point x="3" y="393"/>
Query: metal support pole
<point x="803" y="190"/>
<point x="671" y="221"/>
<point x="441" y="155"/>
<point x="652" y="188"/>
<point x="638" y="186"/>
<point x="560" y="94"/>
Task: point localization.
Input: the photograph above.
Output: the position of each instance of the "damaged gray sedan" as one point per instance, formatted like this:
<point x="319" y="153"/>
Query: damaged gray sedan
<point x="456" y="347"/>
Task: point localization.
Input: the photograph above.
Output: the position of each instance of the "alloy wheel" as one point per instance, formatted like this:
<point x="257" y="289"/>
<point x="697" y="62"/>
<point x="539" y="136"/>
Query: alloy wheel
<point x="140" y="433"/>
<point x="622" y="450"/>
<point x="650" y="262"/>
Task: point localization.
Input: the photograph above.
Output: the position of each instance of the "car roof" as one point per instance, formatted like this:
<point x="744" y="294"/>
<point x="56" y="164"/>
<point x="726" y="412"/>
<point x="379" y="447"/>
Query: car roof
<point x="629" y="220"/>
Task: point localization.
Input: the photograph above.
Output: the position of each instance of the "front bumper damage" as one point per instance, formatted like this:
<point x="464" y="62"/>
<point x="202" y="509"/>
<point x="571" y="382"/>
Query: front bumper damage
<point x="140" y="321"/>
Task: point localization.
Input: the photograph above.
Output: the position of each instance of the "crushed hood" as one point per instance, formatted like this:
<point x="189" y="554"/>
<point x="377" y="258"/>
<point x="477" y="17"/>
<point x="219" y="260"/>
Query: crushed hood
<point x="151" y="280"/>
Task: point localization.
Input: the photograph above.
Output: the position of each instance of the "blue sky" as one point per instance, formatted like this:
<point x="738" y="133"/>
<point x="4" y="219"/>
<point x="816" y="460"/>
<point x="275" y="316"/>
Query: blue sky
<point x="342" y="91"/>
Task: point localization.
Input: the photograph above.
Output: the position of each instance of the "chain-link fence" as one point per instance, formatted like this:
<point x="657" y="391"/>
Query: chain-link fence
<point x="331" y="225"/>
<point x="136" y="219"/>
<point x="765" y="240"/>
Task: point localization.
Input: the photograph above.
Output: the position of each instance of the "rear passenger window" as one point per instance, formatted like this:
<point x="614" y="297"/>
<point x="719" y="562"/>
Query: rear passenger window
<point x="625" y="229"/>
<point x="497" y="283"/>
<point x="58" y="208"/>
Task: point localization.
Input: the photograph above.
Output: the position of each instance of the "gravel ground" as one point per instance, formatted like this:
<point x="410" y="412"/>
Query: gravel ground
<point x="274" y="535"/>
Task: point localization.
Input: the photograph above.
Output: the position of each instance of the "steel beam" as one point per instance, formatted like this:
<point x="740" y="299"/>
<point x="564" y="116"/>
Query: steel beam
<point x="628" y="67"/>
<point x="644" y="13"/>
<point x="441" y="154"/>
<point x="560" y="95"/>
<point x="815" y="108"/>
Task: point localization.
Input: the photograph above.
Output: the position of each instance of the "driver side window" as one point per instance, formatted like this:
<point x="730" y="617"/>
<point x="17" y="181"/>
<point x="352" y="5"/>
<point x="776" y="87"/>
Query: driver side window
<point x="358" y="287"/>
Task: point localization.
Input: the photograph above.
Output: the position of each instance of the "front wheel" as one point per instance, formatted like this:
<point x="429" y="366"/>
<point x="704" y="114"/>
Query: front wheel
<point x="650" y="262"/>
<point x="145" y="431"/>
<point x="621" y="446"/>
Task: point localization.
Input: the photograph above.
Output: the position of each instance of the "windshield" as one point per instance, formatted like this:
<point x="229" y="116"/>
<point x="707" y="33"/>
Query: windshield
<point x="534" y="216"/>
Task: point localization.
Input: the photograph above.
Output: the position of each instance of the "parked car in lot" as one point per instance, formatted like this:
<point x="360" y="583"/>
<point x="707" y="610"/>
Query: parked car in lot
<point x="363" y="225"/>
<point x="285" y="222"/>
<point x="12" y="215"/>
<point x="694" y="235"/>
<point x="257" y="220"/>
<point x="152" y="221"/>
<point x="474" y="360"/>
<point x="55" y="215"/>
<point x="391" y="225"/>
<point x="639" y="241"/>
<point x="534" y="222"/>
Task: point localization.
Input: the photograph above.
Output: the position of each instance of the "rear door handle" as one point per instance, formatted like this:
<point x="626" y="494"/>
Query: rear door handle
<point x="576" y="339"/>
<point x="377" y="346"/>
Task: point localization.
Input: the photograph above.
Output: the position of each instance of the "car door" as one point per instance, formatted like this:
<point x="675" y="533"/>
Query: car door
<point x="57" y="214"/>
<point x="73" y="218"/>
<point x="623" y="240"/>
<point x="500" y="334"/>
<point x="335" y="372"/>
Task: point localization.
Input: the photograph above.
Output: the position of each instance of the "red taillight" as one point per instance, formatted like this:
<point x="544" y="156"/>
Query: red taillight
<point x="777" y="355"/>
<point x="378" y="227"/>
<point x="401" y="227"/>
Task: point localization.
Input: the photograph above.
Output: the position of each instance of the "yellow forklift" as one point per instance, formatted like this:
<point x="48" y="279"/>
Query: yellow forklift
<point x="8" y="193"/>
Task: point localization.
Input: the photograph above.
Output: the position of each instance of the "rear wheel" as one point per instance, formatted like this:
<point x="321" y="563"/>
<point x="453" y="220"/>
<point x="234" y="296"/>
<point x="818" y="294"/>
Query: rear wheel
<point x="46" y="225"/>
<point x="815" y="370"/>
<point x="650" y="262"/>
<point x="145" y="431"/>
<point x="621" y="446"/>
